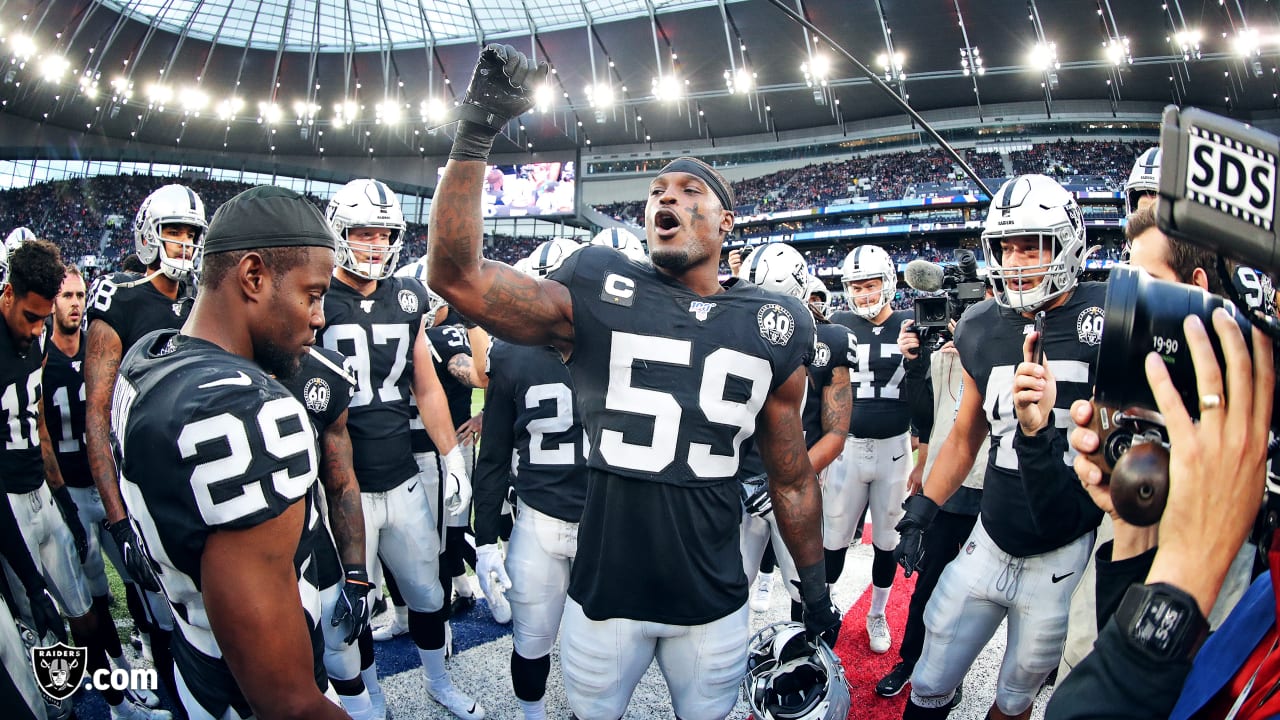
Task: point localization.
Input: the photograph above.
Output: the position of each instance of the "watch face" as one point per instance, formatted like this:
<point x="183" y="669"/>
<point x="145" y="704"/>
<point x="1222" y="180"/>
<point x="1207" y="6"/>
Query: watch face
<point x="1161" y="624"/>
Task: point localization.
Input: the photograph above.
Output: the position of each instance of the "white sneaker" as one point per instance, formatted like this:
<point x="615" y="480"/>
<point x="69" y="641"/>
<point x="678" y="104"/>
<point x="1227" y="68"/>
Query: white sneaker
<point x="143" y="697"/>
<point x="391" y="630"/>
<point x="760" y="594"/>
<point x="448" y="639"/>
<point x="456" y="702"/>
<point x="878" y="631"/>
<point x="498" y="605"/>
<point x="129" y="710"/>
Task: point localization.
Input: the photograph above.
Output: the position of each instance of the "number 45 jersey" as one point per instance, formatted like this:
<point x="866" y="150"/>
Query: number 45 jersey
<point x="209" y="442"/>
<point x="670" y="386"/>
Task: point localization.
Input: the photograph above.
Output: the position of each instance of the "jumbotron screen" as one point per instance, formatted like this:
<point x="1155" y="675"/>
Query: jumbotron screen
<point x="530" y="189"/>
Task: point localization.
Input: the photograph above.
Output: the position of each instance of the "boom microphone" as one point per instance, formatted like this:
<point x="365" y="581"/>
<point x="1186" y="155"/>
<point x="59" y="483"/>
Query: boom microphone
<point x="924" y="275"/>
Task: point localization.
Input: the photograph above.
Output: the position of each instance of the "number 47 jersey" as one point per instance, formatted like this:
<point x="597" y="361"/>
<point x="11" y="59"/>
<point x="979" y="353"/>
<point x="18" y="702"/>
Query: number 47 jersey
<point x="670" y="386"/>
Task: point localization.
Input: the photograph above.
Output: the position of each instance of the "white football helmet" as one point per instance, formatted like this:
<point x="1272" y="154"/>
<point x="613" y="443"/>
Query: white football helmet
<point x="779" y="268"/>
<point x="1144" y="178"/>
<point x="789" y="679"/>
<point x="868" y="262"/>
<point x="622" y="240"/>
<point x="522" y="265"/>
<point x="819" y="288"/>
<point x="418" y="270"/>
<point x="17" y="236"/>
<point x="170" y="205"/>
<point x="1036" y="207"/>
<point x="366" y="203"/>
<point x="4" y="267"/>
<point x="549" y="256"/>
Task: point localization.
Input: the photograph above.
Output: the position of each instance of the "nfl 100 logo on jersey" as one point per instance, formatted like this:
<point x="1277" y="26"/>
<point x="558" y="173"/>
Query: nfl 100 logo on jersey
<point x="776" y="323"/>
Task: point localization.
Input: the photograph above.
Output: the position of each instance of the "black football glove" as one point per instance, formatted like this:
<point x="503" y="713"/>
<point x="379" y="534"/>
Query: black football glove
<point x="135" y="561"/>
<point x="920" y="511"/>
<point x="821" y="617"/>
<point x="758" y="503"/>
<point x="71" y="515"/>
<point x="45" y="614"/>
<point x="353" y="606"/>
<point x="502" y="87"/>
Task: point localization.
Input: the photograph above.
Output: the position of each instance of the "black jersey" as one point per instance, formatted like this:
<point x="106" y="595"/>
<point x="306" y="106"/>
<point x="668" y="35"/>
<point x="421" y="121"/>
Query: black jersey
<point x="134" y="311"/>
<point x="990" y="339"/>
<point x="210" y="442"/>
<point x="670" y="386"/>
<point x="532" y="431"/>
<point x="376" y="334"/>
<point x="21" y="466"/>
<point x="837" y="348"/>
<point x="879" y="408"/>
<point x="447" y="342"/>
<point x="325" y="389"/>
<point x="63" y="408"/>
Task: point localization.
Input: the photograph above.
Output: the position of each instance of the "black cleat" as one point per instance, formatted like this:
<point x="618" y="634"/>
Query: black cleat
<point x="897" y="679"/>
<point x="462" y="605"/>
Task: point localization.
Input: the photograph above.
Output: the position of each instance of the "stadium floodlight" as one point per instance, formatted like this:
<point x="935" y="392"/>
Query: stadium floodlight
<point x="1247" y="43"/>
<point x="433" y="110"/>
<point x="892" y="67"/>
<point x="388" y="112"/>
<point x="122" y="87"/>
<point x="971" y="61"/>
<point x="89" y="85"/>
<point x="269" y="111"/>
<point x="1117" y="51"/>
<point x="815" y="71"/>
<point x="668" y="87"/>
<point x="1044" y="56"/>
<point x="543" y="96"/>
<point x="228" y="108"/>
<point x="193" y="99"/>
<point x="1188" y="42"/>
<point x="159" y="93"/>
<point x="600" y="96"/>
<point x="53" y="67"/>
<point x="344" y="113"/>
<point x="741" y="81"/>
<point x="24" y="46"/>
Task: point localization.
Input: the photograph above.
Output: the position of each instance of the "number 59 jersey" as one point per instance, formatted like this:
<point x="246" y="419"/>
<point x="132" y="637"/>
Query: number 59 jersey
<point x="670" y="386"/>
<point x="208" y="442"/>
<point x="376" y="335"/>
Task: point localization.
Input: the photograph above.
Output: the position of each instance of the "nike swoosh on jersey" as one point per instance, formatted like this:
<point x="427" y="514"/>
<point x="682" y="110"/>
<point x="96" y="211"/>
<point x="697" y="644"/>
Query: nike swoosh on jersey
<point x="413" y="487"/>
<point x="239" y="379"/>
<point x="896" y="458"/>
<point x="1060" y="578"/>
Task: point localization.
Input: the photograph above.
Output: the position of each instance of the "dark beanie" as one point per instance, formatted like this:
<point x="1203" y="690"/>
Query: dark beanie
<point x="267" y="217"/>
<point x="714" y="180"/>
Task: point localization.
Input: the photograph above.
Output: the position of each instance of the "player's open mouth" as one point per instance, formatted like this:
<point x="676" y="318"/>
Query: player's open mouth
<point x="667" y="222"/>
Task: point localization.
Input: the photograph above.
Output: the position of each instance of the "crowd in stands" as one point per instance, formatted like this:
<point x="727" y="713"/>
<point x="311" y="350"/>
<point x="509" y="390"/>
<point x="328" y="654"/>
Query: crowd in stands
<point x="1064" y="158"/>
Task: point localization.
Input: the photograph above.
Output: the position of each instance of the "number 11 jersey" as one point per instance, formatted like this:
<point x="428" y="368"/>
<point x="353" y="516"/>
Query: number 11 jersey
<point x="670" y="386"/>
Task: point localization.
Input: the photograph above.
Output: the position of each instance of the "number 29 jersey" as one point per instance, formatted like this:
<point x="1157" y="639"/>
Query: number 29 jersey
<point x="670" y="386"/>
<point x="376" y="335"/>
<point x="208" y="442"/>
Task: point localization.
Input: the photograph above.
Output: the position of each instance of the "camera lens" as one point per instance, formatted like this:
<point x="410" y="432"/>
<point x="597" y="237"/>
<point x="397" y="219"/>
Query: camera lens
<point x="931" y="312"/>
<point x="1145" y="315"/>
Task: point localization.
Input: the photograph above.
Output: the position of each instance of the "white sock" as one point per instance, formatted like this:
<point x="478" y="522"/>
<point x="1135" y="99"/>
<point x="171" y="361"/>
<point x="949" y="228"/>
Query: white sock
<point x="463" y="586"/>
<point x="359" y="707"/>
<point x="765" y="579"/>
<point x="402" y="615"/>
<point x="370" y="677"/>
<point x="534" y="709"/>
<point x="879" y="599"/>
<point x="433" y="667"/>
<point x="121" y="662"/>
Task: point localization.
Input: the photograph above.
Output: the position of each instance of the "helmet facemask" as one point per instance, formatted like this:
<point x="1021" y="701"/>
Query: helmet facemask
<point x="1058" y="276"/>
<point x="380" y="259"/>
<point x="171" y="205"/>
<point x="366" y="203"/>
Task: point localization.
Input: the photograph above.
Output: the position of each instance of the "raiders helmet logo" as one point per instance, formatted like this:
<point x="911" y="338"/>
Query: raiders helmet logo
<point x="776" y="323"/>
<point x="316" y="395"/>
<point x="408" y="301"/>
<point x="1089" y="325"/>
<point x="59" y="669"/>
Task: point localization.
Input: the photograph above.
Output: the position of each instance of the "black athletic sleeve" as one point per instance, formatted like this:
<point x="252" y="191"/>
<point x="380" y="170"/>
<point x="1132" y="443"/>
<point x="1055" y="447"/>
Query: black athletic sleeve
<point x="1059" y="506"/>
<point x="1115" y="577"/>
<point x="1117" y="681"/>
<point x="917" y="387"/>
<point x="493" y="465"/>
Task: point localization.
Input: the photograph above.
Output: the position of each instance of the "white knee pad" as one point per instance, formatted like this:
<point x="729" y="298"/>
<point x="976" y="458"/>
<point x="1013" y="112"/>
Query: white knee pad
<point x="539" y="560"/>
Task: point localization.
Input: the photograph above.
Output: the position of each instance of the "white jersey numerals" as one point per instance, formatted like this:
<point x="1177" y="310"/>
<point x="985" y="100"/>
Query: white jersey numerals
<point x="358" y="361"/>
<point x="562" y="399"/>
<point x="865" y="378"/>
<point x="628" y="350"/>
<point x="23" y="431"/>
<point x="102" y="293"/>
<point x="68" y="443"/>
<point x="219" y="483"/>
<point x="998" y="404"/>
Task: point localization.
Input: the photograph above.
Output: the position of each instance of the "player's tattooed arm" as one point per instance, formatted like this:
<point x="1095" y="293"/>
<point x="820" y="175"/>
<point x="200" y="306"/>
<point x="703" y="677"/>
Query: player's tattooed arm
<point x="957" y="453"/>
<point x="102" y="356"/>
<point x="52" y="472"/>
<point x="506" y="302"/>
<point x="264" y="642"/>
<point x="837" y="405"/>
<point x="463" y="370"/>
<point x="342" y="492"/>
<point x="793" y="486"/>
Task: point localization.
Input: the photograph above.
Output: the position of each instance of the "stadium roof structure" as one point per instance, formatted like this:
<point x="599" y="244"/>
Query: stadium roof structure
<point x="356" y="78"/>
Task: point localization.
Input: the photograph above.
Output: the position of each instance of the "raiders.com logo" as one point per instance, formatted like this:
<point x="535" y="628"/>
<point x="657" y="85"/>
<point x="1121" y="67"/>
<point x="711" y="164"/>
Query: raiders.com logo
<point x="59" y="669"/>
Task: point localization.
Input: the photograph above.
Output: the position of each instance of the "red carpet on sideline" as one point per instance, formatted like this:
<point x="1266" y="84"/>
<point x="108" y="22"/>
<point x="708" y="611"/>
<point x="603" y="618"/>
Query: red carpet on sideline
<point x="865" y="668"/>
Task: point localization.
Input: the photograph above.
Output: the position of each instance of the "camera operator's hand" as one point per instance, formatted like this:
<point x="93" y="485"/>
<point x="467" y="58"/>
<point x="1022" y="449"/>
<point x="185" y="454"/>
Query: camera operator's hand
<point x="1130" y="540"/>
<point x="735" y="262"/>
<point x="1217" y="466"/>
<point x="1034" y="390"/>
<point x="909" y="340"/>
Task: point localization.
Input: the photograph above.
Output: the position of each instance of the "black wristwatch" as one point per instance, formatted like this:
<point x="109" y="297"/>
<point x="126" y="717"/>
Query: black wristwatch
<point x="1162" y="621"/>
